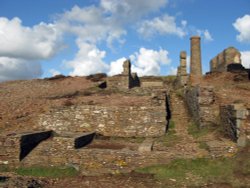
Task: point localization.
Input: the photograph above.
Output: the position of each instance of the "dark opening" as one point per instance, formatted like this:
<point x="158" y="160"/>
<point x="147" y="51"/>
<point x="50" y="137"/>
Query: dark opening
<point x="4" y="179"/>
<point x="103" y="85"/>
<point x="235" y="67"/>
<point x="30" y="141"/>
<point x="168" y="112"/>
<point x="84" y="140"/>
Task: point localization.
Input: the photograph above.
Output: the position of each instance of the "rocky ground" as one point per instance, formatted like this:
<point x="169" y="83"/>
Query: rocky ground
<point x="22" y="102"/>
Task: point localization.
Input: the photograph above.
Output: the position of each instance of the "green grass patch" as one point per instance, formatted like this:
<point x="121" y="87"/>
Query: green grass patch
<point x="197" y="132"/>
<point x="4" y="168"/>
<point x="180" y="93"/>
<point x="203" y="145"/>
<point x="187" y="170"/>
<point x="53" y="172"/>
<point x="170" y="138"/>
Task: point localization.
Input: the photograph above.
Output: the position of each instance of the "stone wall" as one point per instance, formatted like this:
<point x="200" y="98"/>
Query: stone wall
<point x="124" y="121"/>
<point x="10" y="149"/>
<point x="149" y="84"/>
<point x="60" y="151"/>
<point x="16" y="147"/>
<point x="228" y="56"/>
<point x="200" y="102"/>
<point x="235" y="119"/>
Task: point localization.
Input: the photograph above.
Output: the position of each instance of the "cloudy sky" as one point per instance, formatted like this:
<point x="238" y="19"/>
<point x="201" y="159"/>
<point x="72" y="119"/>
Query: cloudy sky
<point x="81" y="37"/>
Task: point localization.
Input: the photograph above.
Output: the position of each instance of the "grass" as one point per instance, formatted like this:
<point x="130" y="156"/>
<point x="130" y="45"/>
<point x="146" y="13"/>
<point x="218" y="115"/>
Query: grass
<point x="170" y="139"/>
<point x="4" y="168"/>
<point x="180" y="93"/>
<point x="186" y="171"/>
<point x="234" y="172"/>
<point x="203" y="145"/>
<point x="53" y="172"/>
<point x="197" y="132"/>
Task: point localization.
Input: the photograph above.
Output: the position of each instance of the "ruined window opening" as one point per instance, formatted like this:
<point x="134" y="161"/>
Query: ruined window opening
<point x="29" y="141"/>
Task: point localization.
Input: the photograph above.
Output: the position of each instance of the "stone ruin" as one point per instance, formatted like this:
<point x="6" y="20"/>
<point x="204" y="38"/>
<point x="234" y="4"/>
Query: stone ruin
<point x="125" y="80"/>
<point x="221" y="62"/>
<point x="200" y="99"/>
<point x="182" y="76"/>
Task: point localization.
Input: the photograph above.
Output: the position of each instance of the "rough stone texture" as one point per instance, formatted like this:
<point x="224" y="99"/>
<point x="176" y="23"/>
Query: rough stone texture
<point x="228" y="56"/>
<point x="235" y="119"/>
<point x="126" y="80"/>
<point x="200" y="102"/>
<point x="195" y="61"/>
<point x="148" y="84"/>
<point x="182" y="76"/>
<point x="146" y="146"/>
<point x="9" y="152"/>
<point x="108" y="120"/>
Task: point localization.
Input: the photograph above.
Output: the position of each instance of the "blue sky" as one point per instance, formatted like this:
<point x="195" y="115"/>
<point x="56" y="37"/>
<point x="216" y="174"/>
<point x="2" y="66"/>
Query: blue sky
<point x="73" y="37"/>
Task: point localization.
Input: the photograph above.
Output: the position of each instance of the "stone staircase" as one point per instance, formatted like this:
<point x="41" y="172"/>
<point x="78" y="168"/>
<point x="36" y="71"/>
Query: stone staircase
<point x="188" y="145"/>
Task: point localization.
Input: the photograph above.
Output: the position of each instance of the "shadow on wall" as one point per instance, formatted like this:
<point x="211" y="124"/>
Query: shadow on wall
<point x="168" y="112"/>
<point x="29" y="141"/>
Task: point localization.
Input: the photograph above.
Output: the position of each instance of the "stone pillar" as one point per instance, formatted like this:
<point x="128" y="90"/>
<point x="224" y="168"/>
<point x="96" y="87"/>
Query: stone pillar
<point x="183" y="62"/>
<point x="195" y="62"/>
<point x="126" y="67"/>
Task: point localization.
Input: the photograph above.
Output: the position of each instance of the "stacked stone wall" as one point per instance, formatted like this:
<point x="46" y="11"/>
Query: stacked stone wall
<point x="125" y="121"/>
<point x="200" y="102"/>
<point x="235" y="119"/>
<point x="10" y="149"/>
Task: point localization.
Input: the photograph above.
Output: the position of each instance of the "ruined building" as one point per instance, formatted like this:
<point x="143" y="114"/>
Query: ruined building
<point x="126" y="79"/>
<point x="224" y="59"/>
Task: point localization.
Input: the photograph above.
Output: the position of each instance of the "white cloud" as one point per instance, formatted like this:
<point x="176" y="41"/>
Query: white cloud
<point x="205" y="34"/>
<point x="208" y="36"/>
<point x="164" y="25"/>
<point x="94" y="24"/>
<point x="22" y="47"/>
<point x="145" y="62"/>
<point x="242" y="25"/>
<point x="116" y="67"/>
<point x="54" y="72"/>
<point x="88" y="60"/>
<point x="41" y="41"/>
<point x="130" y="10"/>
<point x="148" y="61"/>
<point x="245" y="57"/>
<point x="15" y="69"/>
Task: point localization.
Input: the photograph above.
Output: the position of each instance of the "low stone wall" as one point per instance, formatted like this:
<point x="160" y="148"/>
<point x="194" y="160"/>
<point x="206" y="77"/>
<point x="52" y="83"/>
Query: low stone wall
<point x="235" y="119"/>
<point x="146" y="84"/>
<point x="9" y="150"/>
<point x="123" y="121"/>
<point x="200" y="102"/>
